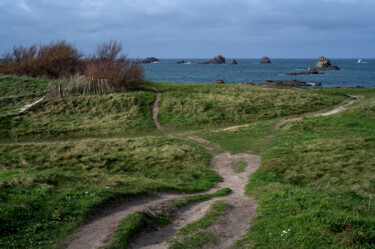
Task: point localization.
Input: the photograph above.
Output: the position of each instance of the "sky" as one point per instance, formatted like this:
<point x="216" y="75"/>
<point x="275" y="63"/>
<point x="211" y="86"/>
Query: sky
<point x="197" y="28"/>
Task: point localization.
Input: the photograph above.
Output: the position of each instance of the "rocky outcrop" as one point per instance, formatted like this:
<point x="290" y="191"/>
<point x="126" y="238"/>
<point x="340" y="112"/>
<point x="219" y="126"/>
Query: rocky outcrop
<point x="312" y="71"/>
<point x="216" y="60"/>
<point x="286" y="83"/>
<point x="181" y="61"/>
<point x="318" y="83"/>
<point x="245" y="83"/>
<point x="324" y="64"/>
<point x="265" y="60"/>
<point x="219" y="81"/>
<point x="150" y="60"/>
<point x="233" y="62"/>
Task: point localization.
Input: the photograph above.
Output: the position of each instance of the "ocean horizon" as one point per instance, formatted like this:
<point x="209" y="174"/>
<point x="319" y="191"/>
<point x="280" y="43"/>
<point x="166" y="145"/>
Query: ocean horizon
<point x="352" y="73"/>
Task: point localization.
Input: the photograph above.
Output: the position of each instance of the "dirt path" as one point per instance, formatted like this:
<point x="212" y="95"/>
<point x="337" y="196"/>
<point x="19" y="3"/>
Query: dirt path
<point x="155" y="112"/>
<point x="233" y="226"/>
<point x="321" y="114"/>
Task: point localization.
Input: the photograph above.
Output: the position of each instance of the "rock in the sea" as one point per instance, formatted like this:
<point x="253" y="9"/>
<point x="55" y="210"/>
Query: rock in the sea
<point x="312" y="71"/>
<point x="233" y="62"/>
<point x="265" y="60"/>
<point x="181" y="61"/>
<point x="149" y="60"/>
<point x="219" y="81"/>
<point x="245" y="83"/>
<point x="286" y="83"/>
<point x="216" y="60"/>
<point x="318" y="83"/>
<point x="324" y="64"/>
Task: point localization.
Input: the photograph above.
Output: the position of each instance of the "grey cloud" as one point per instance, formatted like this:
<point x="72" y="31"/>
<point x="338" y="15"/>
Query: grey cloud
<point x="177" y="28"/>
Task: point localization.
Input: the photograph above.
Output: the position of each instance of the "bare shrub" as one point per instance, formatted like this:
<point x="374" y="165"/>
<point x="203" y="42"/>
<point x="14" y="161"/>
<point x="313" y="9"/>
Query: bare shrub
<point x="54" y="60"/>
<point x="108" y="64"/>
<point x="58" y="59"/>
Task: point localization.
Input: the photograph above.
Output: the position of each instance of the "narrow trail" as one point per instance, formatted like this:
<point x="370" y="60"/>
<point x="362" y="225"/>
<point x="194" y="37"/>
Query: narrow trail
<point x="233" y="225"/>
<point x="155" y="112"/>
<point x="322" y="114"/>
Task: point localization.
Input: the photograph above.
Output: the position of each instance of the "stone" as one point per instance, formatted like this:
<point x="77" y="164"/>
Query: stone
<point x="150" y="60"/>
<point x="233" y="62"/>
<point x="312" y="71"/>
<point x="318" y="83"/>
<point x="324" y="64"/>
<point x="286" y="83"/>
<point x="265" y="60"/>
<point x="219" y="81"/>
<point x="216" y="60"/>
<point x="245" y="83"/>
<point x="181" y="61"/>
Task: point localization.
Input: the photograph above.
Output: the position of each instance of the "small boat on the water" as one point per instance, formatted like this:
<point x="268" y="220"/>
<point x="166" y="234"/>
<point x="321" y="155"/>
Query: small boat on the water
<point x="359" y="61"/>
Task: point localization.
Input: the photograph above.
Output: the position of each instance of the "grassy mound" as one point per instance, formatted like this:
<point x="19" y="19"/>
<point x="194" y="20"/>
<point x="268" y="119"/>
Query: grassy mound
<point x="194" y="105"/>
<point x="115" y="114"/>
<point x="16" y="92"/>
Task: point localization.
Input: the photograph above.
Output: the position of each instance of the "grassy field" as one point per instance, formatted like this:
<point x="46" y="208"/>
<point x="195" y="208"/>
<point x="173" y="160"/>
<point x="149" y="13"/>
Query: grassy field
<point x="80" y="152"/>
<point x="316" y="183"/>
<point x="186" y="106"/>
<point x="47" y="190"/>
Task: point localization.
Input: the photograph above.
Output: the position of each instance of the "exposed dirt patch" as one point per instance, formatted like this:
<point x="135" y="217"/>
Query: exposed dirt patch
<point x="234" y="225"/>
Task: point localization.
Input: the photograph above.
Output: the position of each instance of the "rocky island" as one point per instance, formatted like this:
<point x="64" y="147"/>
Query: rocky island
<point x="311" y="71"/>
<point x="216" y="60"/>
<point x="150" y="60"/>
<point x="265" y="60"/>
<point x="324" y="64"/>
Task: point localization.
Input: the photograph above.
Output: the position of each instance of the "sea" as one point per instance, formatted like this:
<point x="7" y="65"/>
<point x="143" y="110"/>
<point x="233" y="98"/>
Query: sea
<point x="352" y="72"/>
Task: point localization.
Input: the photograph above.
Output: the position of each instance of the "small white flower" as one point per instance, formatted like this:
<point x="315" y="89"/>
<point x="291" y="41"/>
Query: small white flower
<point x="107" y="187"/>
<point x="285" y="231"/>
<point x="86" y="193"/>
<point x="288" y="230"/>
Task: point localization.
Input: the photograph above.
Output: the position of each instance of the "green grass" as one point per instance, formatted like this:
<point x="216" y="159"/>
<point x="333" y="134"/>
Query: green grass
<point x="195" y="234"/>
<point x="186" y="106"/>
<point x="316" y="183"/>
<point x="47" y="190"/>
<point x="130" y="227"/>
<point x="104" y="115"/>
<point x="239" y="166"/>
<point x="16" y="92"/>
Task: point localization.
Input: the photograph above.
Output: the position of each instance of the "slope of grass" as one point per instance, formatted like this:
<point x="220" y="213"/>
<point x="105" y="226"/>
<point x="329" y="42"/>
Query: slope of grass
<point x="196" y="105"/>
<point x="46" y="190"/>
<point x="316" y="183"/>
<point x="102" y="115"/>
<point x="16" y="92"/>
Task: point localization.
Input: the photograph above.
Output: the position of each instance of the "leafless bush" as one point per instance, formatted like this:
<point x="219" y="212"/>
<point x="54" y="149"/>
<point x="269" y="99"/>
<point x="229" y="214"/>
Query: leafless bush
<point x="54" y="60"/>
<point x="108" y="64"/>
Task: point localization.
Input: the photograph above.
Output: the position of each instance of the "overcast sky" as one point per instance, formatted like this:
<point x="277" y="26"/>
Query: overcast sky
<point x="197" y="28"/>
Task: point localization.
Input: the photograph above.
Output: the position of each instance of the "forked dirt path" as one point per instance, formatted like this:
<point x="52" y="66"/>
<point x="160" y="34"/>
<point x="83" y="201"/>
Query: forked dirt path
<point x="232" y="227"/>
